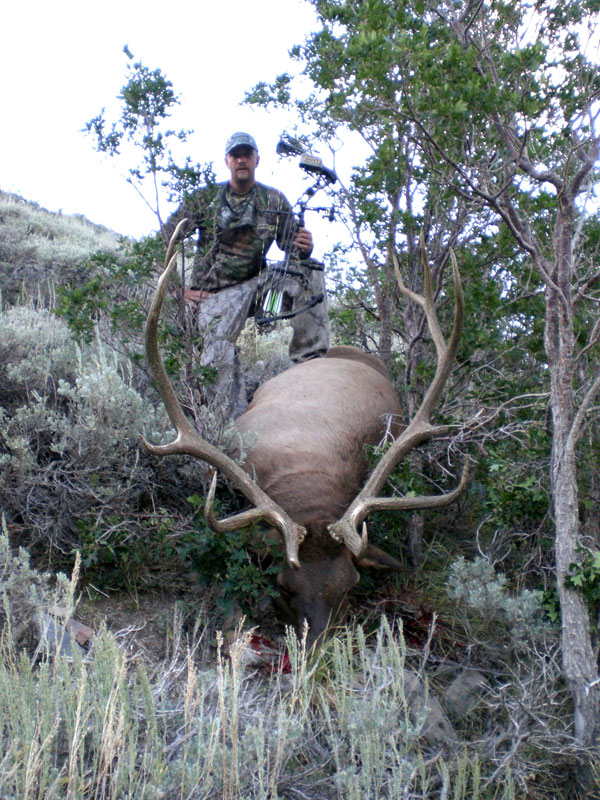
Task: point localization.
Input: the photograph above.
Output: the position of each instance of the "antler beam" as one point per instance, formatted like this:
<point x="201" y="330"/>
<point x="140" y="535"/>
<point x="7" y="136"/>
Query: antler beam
<point x="188" y="440"/>
<point x="419" y="429"/>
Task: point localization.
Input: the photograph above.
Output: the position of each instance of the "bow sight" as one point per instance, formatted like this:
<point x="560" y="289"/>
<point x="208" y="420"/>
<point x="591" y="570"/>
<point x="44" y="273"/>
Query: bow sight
<point x="272" y="294"/>
<point x="313" y="164"/>
<point x="288" y="146"/>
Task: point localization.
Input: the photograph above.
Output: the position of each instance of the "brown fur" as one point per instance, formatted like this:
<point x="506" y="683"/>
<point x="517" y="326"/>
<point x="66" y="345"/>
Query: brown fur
<point x="310" y="426"/>
<point x="307" y="431"/>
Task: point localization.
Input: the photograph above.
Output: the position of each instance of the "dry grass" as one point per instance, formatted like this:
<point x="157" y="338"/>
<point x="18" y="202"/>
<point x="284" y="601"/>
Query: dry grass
<point x="55" y="235"/>
<point x="164" y="706"/>
<point x="206" y="721"/>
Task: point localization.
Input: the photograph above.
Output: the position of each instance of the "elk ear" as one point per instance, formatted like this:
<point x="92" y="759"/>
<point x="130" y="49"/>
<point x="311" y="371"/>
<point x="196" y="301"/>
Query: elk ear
<point x="378" y="559"/>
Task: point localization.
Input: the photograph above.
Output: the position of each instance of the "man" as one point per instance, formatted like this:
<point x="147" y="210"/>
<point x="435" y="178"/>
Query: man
<point x="237" y="222"/>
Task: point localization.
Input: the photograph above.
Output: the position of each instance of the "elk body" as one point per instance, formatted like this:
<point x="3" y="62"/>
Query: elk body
<point x="308" y="429"/>
<point x="305" y="436"/>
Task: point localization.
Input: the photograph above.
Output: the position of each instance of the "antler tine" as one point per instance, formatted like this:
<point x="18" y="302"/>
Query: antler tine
<point x="188" y="440"/>
<point x="232" y="523"/>
<point x="427" y="301"/>
<point x="412" y="503"/>
<point x="445" y="351"/>
<point x="419" y="429"/>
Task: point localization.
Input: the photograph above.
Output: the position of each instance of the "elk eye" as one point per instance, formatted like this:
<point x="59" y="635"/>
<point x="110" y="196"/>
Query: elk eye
<point x="288" y="597"/>
<point x="284" y="590"/>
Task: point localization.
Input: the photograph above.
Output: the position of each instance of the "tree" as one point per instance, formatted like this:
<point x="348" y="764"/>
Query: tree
<point x="500" y="105"/>
<point x="112" y="289"/>
<point x="147" y="102"/>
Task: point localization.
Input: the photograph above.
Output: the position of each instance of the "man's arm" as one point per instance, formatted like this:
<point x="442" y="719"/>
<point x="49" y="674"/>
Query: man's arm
<point x="198" y="208"/>
<point x="194" y="209"/>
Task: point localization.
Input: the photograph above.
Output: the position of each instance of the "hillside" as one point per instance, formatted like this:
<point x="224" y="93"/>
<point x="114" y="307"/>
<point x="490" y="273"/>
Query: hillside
<point x="39" y="246"/>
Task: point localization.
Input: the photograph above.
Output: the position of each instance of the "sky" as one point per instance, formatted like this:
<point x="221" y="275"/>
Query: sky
<point x="61" y="62"/>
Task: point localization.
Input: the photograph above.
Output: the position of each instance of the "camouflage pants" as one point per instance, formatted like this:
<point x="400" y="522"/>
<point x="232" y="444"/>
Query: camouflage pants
<point x="222" y="316"/>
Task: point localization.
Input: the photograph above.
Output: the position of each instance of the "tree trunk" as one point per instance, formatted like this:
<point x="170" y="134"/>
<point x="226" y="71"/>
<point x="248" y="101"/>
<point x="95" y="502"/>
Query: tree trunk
<point x="579" y="664"/>
<point x="577" y="654"/>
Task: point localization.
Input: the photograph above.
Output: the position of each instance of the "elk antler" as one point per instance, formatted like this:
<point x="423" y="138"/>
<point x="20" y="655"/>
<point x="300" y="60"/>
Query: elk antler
<point x="419" y="429"/>
<point x="189" y="441"/>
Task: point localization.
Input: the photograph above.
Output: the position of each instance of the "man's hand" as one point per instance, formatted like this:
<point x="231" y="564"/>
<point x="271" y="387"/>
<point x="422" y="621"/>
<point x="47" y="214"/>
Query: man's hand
<point x="304" y="242"/>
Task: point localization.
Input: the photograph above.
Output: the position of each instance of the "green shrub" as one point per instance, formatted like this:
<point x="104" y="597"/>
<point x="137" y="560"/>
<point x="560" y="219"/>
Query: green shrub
<point x="71" y="422"/>
<point x="35" y="349"/>
<point x="24" y="593"/>
<point x="483" y="593"/>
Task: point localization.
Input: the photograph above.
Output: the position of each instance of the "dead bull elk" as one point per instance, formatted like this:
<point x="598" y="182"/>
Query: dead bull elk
<point x="308" y="429"/>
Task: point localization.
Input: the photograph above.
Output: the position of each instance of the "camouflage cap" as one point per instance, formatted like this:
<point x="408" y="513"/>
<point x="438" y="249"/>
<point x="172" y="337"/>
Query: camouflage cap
<point x="240" y="139"/>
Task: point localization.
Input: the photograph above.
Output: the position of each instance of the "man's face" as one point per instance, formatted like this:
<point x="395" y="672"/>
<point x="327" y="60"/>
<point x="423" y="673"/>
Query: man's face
<point x="242" y="162"/>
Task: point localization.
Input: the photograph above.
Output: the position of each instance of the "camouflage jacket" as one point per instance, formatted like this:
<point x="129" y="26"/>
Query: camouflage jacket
<point x="235" y="232"/>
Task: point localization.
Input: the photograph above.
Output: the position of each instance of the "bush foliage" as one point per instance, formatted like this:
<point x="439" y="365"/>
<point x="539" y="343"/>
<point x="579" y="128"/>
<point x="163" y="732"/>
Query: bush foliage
<point x="72" y="473"/>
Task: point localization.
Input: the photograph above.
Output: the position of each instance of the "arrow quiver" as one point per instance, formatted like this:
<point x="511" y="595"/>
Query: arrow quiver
<point x="271" y="302"/>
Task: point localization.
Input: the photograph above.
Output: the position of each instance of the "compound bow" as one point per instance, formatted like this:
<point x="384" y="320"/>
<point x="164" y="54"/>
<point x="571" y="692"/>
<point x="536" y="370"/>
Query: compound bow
<point x="271" y="299"/>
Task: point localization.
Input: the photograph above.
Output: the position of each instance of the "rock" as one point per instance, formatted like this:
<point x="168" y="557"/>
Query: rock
<point x="464" y="692"/>
<point x="82" y="633"/>
<point x="64" y="637"/>
<point x="55" y="638"/>
<point x="437" y="728"/>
